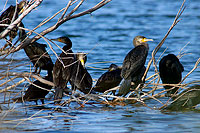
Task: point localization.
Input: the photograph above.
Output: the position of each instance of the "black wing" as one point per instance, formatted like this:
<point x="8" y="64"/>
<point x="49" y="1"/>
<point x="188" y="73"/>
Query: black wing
<point x="34" y="92"/>
<point x="80" y="78"/>
<point x="8" y="13"/>
<point x="39" y="56"/>
<point x="134" y="61"/>
<point x="62" y="74"/>
<point x="6" y="16"/>
<point x="170" y="69"/>
<point x="108" y="80"/>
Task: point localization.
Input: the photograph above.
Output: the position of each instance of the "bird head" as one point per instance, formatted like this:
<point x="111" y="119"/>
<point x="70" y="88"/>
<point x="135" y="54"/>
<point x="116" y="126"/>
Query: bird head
<point x="112" y="67"/>
<point x="21" y="6"/>
<point x="63" y="39"/>
<point x="138" y="40"/>
<point x="82" y="57"/>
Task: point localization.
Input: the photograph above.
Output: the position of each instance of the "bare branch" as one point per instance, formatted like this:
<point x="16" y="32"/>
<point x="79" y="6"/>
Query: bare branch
<point x="27" y="75"/>
<point x="182" y="8"/>
<point x="66" y="8"/>
<point x="19" y="19"/>
<point x="12" y="86"/>
<point x="68" y="17"/>
<point x="195" y="67"/>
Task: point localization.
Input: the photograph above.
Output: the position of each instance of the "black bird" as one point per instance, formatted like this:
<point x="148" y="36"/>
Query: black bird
<point x="9" y="15"/>
<point x="170" y="70"/>
<point x="37" y="54"/>
<point x="62" y="69"/>
<point x="35" y="93"/>
<point x="109" y="79"/>
<point x="133" y="65"/>
<point x="80" y="78"/>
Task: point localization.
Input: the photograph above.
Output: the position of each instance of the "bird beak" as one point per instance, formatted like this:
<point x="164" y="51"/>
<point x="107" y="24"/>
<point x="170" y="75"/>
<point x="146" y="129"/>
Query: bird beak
<point x="22" y="10"/>
<point x="110" y="69"/>
<point x="57" y="39"/>
<point x="146" y="40"/>
<point x="83" y="63"/>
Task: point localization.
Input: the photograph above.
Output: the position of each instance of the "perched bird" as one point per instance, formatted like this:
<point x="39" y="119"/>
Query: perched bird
<point x="170" y="70"/>
<point x="133" y="65"/>
<point x="109" y="79"/>
<point x="62" y="69"/>
<point x="80" y="78"/>
<point x="37" y="54"/>
<point x="9" y="15"/>
<point x="34" y="93"/>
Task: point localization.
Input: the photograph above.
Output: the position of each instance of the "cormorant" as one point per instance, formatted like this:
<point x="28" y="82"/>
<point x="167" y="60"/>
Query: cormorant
<point x="62" y="69"/>
<point x="37" y="54"/>
<point x="109" y="79"/>
<point x="80" y="78"/>
<point x="9" y="15"/>
<point x="133" y="65"/>
<point x="34" y="93"/>
<point x="170" y="70"/>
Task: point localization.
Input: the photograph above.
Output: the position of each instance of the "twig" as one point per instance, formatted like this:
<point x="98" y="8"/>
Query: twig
<point x="19" y="19"/>
<point x="27" y="75"/>
<point x="12" y="86"/>
<point x="195" y="67"/>
<point x="176" y="20"/>
<point x="68" y="17"/>
<point x="8" y="81"/>
<point x="29" y="117"/>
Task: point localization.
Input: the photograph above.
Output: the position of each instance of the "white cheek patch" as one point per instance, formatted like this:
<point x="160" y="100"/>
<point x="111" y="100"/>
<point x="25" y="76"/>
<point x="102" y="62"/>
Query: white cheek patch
<point x="140" y="40"/>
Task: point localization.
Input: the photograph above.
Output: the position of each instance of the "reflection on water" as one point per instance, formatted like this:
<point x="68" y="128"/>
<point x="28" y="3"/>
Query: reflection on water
<point x="107" y="35"/>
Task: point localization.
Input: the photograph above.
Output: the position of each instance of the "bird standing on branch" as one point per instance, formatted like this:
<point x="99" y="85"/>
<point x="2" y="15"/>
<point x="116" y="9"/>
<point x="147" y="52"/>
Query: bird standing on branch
<point x="80" y="78"/>
<point x="37" y="54"/>
<point x="62" y="69"/>
<point x="109" y="79"/>
<point x="133" y="66"/>
<point x="170" y="70"/>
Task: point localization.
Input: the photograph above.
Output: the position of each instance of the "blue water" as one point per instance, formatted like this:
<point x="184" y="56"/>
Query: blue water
<point x="107" y="35"/>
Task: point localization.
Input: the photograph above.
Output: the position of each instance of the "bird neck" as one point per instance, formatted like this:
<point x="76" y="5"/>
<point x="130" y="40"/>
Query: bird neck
<point x="146" y="45"/>
<point x="22" y="33"/>
<point x="67" y="46"/>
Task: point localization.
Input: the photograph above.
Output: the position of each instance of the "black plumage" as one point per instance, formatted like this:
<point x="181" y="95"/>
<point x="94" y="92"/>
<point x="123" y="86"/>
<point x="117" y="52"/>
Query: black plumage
<point x="9" y="15"/>
<point x="170" y="70"/>
<point x="37" y="54"/>
<point x="34" y="93"/>
<point x="133" y="64"/>
<point x="80" y="78"/>
<point x="62" y="69"/>
<point x="109" y="79"/>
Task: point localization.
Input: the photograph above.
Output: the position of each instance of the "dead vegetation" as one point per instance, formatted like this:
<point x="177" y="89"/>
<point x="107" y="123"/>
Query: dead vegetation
<point x="11" y="79"/>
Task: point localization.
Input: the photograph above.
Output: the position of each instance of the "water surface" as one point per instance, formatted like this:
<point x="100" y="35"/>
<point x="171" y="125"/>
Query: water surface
<point x="107" y="35"/>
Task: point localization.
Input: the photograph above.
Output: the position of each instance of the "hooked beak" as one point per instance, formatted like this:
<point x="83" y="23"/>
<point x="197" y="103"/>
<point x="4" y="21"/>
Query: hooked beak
<point x="57" y="39"/>
<point x="146" y="40"/>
